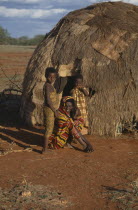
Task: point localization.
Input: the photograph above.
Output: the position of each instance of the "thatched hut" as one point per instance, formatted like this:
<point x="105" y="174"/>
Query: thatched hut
<point x="101" y="41"/>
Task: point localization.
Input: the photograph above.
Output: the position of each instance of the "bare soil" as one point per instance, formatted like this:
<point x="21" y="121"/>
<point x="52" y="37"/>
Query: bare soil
<point x="82" y="178"/>
<point x="13" y="61"/>
<point x="75" y="179"/>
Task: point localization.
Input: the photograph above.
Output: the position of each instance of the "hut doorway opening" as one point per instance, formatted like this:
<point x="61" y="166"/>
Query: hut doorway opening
<point x="81" y="102"/>
<point x="69" y="86"/>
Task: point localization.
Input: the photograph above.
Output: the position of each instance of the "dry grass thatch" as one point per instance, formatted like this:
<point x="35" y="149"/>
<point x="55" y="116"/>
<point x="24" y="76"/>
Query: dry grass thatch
<point x="101" y="41"/>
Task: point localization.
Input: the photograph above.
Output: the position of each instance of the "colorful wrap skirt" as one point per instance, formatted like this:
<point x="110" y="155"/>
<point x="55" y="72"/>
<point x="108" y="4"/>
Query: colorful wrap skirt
<point x="64" y="127"/>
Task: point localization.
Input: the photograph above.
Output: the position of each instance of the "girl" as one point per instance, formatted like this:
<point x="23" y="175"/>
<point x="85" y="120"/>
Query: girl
<point x="79" y="93"/>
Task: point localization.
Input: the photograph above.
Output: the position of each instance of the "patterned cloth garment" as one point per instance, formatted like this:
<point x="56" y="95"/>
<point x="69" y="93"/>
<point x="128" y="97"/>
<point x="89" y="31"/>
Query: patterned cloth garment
<point x="64" y="127"/>
<point x="49" y="114"/>
<point x="80" y="99"/>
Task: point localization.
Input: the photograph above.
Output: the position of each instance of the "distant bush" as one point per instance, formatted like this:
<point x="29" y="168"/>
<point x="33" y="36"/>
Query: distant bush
<point x="5" y="38"/>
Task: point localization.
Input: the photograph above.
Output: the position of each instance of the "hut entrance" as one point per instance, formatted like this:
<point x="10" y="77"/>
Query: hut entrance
<point x="69" y="86"/>
<point x="82" y="98"/>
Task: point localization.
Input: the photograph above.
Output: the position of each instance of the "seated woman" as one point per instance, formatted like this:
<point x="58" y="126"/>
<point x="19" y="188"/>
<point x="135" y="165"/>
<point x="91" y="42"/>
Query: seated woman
<point x="68" y="123"/>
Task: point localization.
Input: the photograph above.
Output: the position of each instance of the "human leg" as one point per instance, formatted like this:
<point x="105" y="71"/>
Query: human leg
<point x="87" y="147"/>
<point x="49" y="125"/>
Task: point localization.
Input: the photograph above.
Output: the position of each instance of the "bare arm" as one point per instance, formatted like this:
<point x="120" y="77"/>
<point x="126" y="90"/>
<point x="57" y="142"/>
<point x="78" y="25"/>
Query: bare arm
<point x="71" y="93"/>
<point x="84" y="90"/>
<point x="60" y="84"/>
<point x="78" y="113"/>
<point x="82" y="140"/>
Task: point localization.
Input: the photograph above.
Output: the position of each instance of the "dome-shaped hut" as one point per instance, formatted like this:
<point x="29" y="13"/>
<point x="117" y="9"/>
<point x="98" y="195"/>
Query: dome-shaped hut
<point x="101" y="41"/>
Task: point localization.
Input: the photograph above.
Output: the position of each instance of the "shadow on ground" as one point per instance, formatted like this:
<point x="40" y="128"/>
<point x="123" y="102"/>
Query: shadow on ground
<point x="12" y="129"/>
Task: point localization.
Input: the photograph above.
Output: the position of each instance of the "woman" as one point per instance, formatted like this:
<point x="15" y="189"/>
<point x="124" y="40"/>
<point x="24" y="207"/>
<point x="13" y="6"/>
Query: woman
<point x="68" y="123"/>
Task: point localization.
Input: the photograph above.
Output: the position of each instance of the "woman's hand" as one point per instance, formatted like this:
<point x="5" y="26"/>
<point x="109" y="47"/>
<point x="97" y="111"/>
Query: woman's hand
<point x="75" y="117"/>
<point x="56" y="113"/>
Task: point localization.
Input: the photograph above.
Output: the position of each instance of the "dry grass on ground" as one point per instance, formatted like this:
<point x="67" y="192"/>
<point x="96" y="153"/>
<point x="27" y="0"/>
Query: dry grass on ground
<point x="69" y="179"/>
<point x="13" y="61"/>
<point x="27" y="196"/>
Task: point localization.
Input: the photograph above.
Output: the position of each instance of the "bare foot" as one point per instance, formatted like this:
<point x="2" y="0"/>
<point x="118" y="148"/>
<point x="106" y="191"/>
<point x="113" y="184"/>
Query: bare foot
<point x="45" y="151"/>
<point x="88" y="149"/>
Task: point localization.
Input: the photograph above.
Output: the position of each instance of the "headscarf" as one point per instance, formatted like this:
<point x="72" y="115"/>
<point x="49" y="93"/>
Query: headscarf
<point x="62" y="108"/>
<point x="65" y="99"/>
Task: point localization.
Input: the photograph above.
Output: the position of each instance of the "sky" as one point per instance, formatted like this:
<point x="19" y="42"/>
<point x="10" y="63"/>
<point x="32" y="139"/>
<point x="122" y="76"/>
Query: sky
<point x="33" y="17"/>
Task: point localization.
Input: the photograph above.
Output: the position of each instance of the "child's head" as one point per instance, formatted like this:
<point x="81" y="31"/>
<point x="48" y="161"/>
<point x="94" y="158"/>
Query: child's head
<point x="79" y="80"/>
<point x="51" y="74"/>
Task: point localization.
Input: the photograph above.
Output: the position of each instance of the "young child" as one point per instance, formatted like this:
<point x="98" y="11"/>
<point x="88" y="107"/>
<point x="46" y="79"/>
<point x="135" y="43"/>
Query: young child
<point x="79" y="93"/>
<point x="52" y="88"/>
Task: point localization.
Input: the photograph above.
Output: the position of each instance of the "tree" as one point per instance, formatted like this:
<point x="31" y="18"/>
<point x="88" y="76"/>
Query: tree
<point x="4" y="36"/>
<point x="36" y="39"/>
<point x="23" y="40"/>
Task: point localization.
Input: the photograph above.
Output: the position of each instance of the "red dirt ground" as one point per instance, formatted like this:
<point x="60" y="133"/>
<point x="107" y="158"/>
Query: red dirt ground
<point x="77" y="175"/>
<point x="13" y="61"/>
